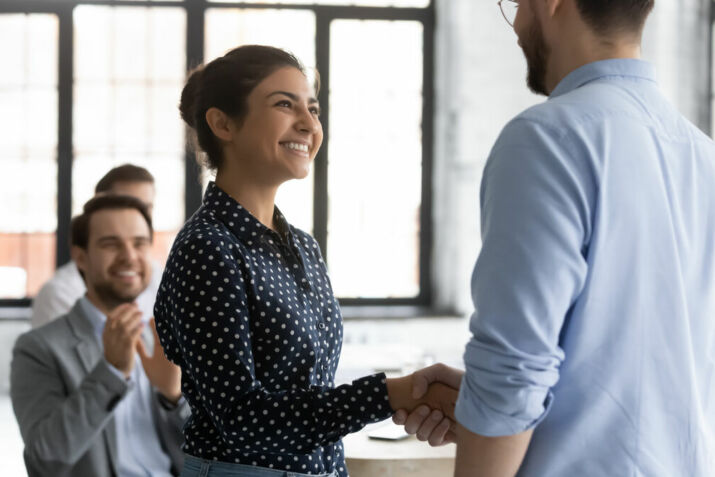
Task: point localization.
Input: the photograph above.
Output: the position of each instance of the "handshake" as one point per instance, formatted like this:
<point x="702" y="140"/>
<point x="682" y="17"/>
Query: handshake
<point x="424" y="402"/>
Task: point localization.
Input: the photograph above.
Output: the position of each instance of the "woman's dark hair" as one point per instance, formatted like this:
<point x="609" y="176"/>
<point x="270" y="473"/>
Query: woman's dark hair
<point x="615" y="16"/>
<point x="79" y="228"/>
<point x="225" y="83"/>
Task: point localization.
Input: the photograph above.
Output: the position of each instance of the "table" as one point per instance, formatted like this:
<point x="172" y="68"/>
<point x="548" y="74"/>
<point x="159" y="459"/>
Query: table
<point x="409" y="457"/>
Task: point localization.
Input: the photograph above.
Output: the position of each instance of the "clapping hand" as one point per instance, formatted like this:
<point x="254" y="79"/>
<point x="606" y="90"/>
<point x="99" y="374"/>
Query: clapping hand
<point x="121" y="333"/>
<point x="164" y="375"/>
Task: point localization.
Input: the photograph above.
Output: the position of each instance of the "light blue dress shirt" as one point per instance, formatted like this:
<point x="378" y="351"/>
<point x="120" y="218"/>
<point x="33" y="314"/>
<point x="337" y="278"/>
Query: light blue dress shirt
<point x="139" y="451"/>
<point x="595" y="286"/>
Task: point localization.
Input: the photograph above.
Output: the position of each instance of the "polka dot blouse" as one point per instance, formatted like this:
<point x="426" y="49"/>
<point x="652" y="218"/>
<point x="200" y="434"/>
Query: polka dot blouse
<point x="250" y="317"/>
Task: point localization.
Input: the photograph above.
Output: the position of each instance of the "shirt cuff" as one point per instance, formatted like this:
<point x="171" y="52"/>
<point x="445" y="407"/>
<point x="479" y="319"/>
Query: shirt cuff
<point x="117" y="373"/>
<point x="376" y="406"/>
<point x="167" y="404"/>
<point x="475" y="415"/>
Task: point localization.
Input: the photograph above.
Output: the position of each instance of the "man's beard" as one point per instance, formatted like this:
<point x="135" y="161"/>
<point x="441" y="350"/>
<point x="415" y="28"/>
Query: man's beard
<point x="111" y="297"/>
<point x="536" y="53"/>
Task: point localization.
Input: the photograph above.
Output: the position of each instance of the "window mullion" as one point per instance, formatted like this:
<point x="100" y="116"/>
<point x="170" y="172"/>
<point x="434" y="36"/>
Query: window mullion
<point x="64" y="132"/>
<point x="195" y="38"/>
<point x="320" y="195"/>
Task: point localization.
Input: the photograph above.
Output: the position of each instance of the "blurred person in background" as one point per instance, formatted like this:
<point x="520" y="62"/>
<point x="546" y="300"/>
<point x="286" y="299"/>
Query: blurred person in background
<point x="89" y="397"/>
<point x="59" y="294"/>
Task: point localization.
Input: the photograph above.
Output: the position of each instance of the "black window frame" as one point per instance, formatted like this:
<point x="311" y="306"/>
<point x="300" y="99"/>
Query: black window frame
<point x="195" y="21"/>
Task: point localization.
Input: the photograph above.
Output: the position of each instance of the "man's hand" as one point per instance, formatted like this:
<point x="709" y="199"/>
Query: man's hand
<point x="430" y="424"/>
<point x="121" y="333"/>
<point x="164" y="375"/>
<point x="438" y="396"/>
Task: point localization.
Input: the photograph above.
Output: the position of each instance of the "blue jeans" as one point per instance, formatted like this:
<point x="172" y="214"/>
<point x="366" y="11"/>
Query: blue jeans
<point x="195" y="467"/>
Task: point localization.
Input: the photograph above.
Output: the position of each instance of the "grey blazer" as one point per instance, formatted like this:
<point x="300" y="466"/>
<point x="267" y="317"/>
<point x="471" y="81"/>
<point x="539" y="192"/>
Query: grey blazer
<point x="64" y="394"/>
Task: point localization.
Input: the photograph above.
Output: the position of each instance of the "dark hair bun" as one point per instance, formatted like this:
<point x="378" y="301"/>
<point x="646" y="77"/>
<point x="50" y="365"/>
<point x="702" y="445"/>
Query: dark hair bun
<point x="189" y="96"/>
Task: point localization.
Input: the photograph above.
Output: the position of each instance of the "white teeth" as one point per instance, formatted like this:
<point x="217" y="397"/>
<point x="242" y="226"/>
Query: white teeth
<point x="127" y="273"/>
<point x="297" y="146"/>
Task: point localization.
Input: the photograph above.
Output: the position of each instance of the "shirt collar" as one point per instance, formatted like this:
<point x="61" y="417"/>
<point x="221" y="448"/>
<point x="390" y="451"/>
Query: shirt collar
<point x="240" y="221"/>
<point x="95" y="317"/>
<point x="623" y="67"/>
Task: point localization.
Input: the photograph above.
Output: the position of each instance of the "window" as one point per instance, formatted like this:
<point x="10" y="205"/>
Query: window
<point x="107" y="88"/>
<point x="130" y="65"/>
<point x="28" y="152"/>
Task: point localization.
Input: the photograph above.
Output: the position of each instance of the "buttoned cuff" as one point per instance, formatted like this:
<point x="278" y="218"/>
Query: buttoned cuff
<point x="375" y="406"/>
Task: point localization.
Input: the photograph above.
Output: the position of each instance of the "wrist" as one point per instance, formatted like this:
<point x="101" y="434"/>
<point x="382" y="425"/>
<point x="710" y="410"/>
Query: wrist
<point x="171" y="397"/>
<point x="169" y="402"/>
<point x="399" y="392"/>
<point x="118" y="369"/>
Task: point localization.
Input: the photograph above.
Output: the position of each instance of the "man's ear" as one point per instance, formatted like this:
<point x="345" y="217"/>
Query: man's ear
<point x="220" y="124"/>
<point x="79" y="257"/>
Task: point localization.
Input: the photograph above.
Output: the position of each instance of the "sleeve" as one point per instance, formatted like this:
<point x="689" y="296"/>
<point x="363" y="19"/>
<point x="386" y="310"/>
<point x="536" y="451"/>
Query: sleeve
<point x="204" y="326"/>
<point x="58" y="428"/>
<point x="170" y="420"/>
<point x="536" y="202"/>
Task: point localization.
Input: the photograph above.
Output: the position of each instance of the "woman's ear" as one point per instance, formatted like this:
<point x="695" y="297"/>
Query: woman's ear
<point x="220" y="124"/>
<point x="552" y="6"/>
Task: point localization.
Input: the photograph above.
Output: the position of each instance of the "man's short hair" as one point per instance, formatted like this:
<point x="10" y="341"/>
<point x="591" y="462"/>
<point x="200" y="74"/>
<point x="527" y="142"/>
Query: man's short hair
<point x="123" y="173"/>
<point x="79" y="229"/>
<point x="608" y="17"/>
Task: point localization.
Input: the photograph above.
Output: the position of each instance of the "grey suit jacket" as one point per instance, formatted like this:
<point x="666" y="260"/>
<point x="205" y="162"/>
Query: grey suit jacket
<point x="64" y="395"/>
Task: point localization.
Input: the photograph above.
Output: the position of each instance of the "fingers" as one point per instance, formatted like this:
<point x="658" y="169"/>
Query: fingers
<point x="152" y="324"/>
<point x="442" y="397"/>
<point x="399" y="417"/>
<point x="420" y="383"/>
<point x="438" y="436"/>
<point x="429" y="425"/>
<point x="120" y="313"/>
<point x="436" y="373"/>
<point x="141" y="349"/>
<point x="450" y="437"/>
<point x="416" y="418"/>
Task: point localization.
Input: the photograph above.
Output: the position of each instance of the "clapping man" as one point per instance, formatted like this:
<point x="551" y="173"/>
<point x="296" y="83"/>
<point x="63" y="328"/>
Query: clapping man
<point x="89" y="398"/>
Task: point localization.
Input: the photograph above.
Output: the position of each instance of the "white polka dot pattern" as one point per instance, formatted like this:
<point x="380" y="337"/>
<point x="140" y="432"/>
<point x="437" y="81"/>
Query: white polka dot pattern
<point x="250" y="316"/>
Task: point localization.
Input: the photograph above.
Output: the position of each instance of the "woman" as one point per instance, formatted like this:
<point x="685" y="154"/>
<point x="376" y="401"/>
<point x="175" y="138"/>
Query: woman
<point x="245" y="306"/>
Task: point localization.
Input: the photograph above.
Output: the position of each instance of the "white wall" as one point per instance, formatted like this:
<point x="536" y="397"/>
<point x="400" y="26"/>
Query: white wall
<point x="480" y="85"/>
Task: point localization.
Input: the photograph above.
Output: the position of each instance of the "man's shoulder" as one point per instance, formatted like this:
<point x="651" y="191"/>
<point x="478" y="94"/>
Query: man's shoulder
<point x="54" y="334"/>
<point x="569" y="111"/>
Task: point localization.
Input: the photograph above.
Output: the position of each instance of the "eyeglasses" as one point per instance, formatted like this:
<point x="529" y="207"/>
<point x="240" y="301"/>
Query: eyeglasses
<point x="508" y="9"/>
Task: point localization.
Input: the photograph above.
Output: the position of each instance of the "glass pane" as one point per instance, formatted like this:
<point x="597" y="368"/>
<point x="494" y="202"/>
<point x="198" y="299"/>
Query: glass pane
<point x="130" y="65"/>
<point x="28" y="152"/>
<point x="359" y="3"/>
<point x="292" y="30"/>
<point x="375" y="152"/>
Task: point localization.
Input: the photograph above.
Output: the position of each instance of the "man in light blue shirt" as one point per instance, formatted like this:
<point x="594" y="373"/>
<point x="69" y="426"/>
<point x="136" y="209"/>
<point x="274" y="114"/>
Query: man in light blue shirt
<point x="593" y="347"/>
